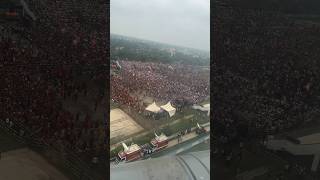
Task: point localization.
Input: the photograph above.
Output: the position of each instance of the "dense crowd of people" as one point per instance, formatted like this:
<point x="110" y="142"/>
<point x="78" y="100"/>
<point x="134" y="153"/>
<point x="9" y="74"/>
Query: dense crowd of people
<point x="35" y="100"/>
<point x="60" y="57"/>
<point x="163" y="82"/>
<point x="73" y="31"/>
<point x="266" y="63"/>
<point x="266" y="74"/>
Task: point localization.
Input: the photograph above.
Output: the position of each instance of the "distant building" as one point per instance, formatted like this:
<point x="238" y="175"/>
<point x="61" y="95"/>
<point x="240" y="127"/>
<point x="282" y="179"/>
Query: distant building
<point x="172" y="52"/>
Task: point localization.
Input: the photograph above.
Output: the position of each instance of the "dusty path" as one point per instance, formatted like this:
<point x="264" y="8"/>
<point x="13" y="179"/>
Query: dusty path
<point x="310" y="139"/>
<point x="122" y="125"/>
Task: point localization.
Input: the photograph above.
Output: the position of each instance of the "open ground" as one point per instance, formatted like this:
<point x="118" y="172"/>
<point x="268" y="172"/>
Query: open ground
<point x="122" y="125"/>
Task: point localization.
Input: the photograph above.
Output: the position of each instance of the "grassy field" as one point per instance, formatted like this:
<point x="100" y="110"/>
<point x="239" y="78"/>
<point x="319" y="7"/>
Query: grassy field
<point x="182" y="120"/>
<point x="174" y="127"/>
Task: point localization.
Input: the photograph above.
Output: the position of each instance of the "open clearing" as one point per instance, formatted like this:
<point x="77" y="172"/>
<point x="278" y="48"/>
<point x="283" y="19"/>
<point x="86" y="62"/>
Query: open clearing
<point x="27" y="165"/>
<point x="310" y="139"/>
<point x="122" y="125"/>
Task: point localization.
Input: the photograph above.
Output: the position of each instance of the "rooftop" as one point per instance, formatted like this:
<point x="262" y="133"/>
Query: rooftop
<point x="132" y="148"/>
<point x="160" y="138"/>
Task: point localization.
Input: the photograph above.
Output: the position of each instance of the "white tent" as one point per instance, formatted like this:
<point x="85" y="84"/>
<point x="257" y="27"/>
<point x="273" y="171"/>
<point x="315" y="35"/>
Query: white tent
<point x="207" y="108"/>
<point x="168" y="107"/>
<point x="153" y="108"/>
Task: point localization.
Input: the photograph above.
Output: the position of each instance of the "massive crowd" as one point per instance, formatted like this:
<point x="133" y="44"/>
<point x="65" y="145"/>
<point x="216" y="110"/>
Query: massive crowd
<point x="61" y="58"/>
<point x="163" y="82"/>
<point x="266" y="63"/>
<point x="266" y="74"/>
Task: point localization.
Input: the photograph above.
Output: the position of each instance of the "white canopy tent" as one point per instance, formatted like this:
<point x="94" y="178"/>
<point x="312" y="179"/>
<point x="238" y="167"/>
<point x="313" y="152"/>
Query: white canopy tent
<point x="153" y="108"/>
<point x="207" y="108"/>
<point x="169" y="108"/>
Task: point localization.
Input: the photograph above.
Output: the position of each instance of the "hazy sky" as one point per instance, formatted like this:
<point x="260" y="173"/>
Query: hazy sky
<point x="178" y="22"/>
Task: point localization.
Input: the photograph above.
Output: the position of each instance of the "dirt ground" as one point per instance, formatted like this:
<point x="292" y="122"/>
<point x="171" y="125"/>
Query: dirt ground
<point x="122" y="125"/>
<point x="24" y="164"/>
<point x="310" y="139"/>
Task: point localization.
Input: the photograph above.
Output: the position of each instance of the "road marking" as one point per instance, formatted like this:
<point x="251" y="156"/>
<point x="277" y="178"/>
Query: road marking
<point x="194" y="143"/>
<point x="179" y="151"/>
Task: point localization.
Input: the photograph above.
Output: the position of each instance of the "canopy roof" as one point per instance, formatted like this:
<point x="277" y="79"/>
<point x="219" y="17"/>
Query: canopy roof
<point x="153" y="108"/>
<point x="130" y="149"/>
<point x="168" y="107"/>
<point x="206" y="107"/>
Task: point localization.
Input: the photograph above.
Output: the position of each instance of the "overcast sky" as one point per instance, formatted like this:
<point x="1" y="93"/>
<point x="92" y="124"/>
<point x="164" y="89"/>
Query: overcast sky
<point x="178" y="22"/>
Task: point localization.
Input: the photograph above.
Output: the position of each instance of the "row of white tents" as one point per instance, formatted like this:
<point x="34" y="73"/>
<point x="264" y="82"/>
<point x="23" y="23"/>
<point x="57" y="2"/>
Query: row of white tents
<point x="167" y="107"/>
<point x="171" y="110"/>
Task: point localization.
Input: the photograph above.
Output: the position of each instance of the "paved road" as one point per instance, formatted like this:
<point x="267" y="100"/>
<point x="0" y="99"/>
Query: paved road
<point x="179" y="148"/>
